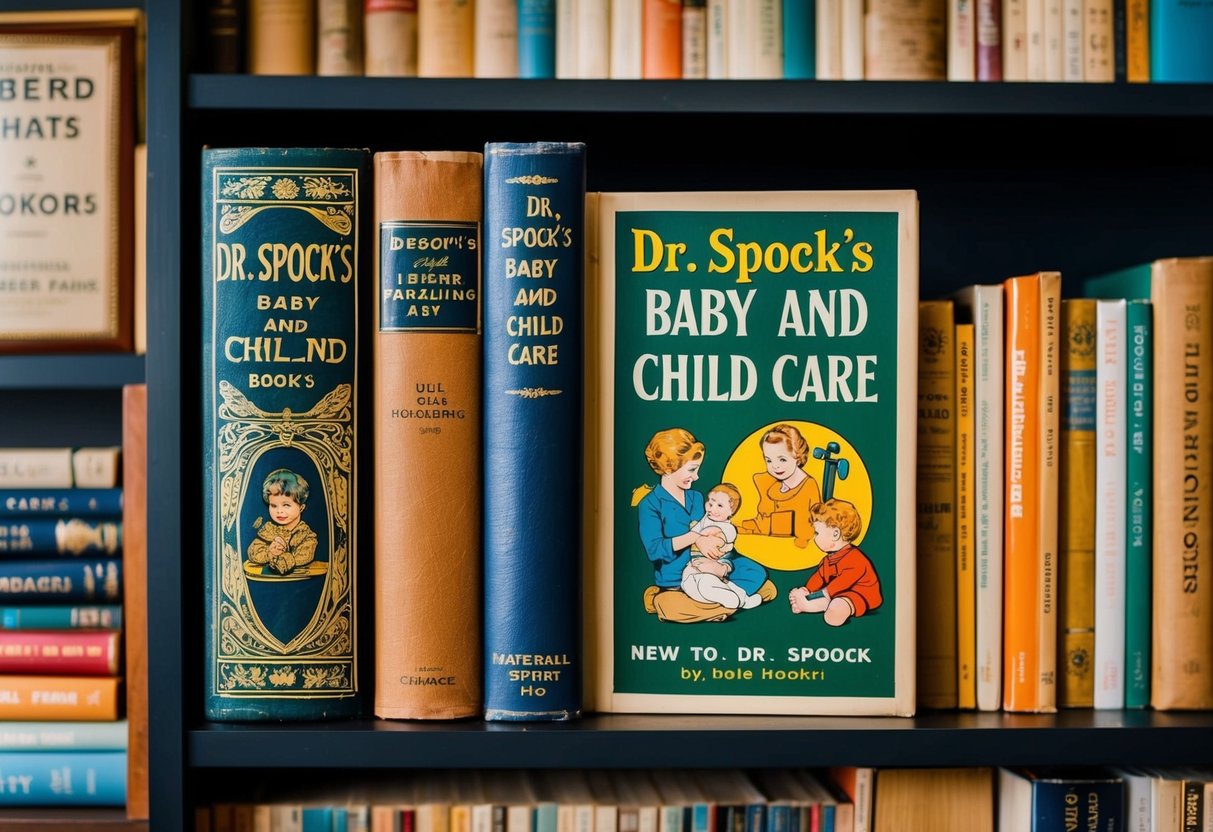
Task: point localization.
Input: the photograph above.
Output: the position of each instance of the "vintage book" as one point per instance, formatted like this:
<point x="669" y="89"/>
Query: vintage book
<point x="627" y="39"/>
<point x="905" y="40"/>
<point x="1140" y="501"/>
<point x="445" y="43"/>
<point x="53" y="736"/>
<point x="983" y="305"/>
<point x="63" y="536"/>
<point x="566" y="38"/>
<point x="61" y="502"/>
<point x="67" y="179"/>
<point x="60" y="581"/>
<point x="281" y="257"/>
<point x="536" y="38"/>
<point x="96" y="467"/>
<point x="339" y="37"/>
<point x="1042" y="800"/>
<point x="1071" y="41"/>
<point x="1034" y="18"/>
<point x="1097" y="41"/>
<point x="60" y="617"/>
<point x="965" y="511"/>
<point x="755" y="39"/>
<point x="662" y="38"/>
<point x="591" y="48"/>
<point x="1030" y="575"/>
<point x="1181" y="291"/>
<point x="427" y="411"/>
<point x="226" y="27"/>
<point x="59" y="698"/>
<point x="717" y="51"/>
<point x="534" y="197"/>
<point x="60" y="652"/>
<point x="1076" y="509"/>
<point x="35" y="468"/>
<point x="1014" y="40"/>
<point x="1179" y="41"/>
<point x="1053" y="38"/>
<point x="63" y="778"/>
<point x="853" y="43"/>
<point x="495" y="39"/>
<point x="828" y="39"/>
<point x="792" y="406"/>
<point x="989" y="40"/>
<point x="694" y="39"/>
<point x="936" y="510"/>
<point x="962" y="40"/>
<point x="857" y="782"/>
<point x="390" y="37"/>
<point x="1110" y="504"/>
<point x="799" y="39"/>
<point x="1137" y="41"/>
<point x="281" y="37"/>
<point x="929" y="800"/>
<point x="134" y="556"/>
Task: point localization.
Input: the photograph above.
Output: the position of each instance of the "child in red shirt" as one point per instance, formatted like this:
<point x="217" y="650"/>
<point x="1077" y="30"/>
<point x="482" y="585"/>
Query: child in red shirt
<point x="845" y="584"/>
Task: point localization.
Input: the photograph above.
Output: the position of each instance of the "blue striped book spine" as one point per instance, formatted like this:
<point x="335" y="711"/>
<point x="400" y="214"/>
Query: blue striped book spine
<point x="1139" y="530"/>
<point x="56" y="582"/>
<point x="61" y="617"/>
<point x="281" y="232"/>
<point x="533" y="278"/>
<point x="799" y="39"/>
<point x="1181" y="32"/>
<point x="63" y="778"/>
<point x="536" y="38"/>
<point x="63" y="536"/>
<point x="76" y="736"/>
<point x="61" y="502"/>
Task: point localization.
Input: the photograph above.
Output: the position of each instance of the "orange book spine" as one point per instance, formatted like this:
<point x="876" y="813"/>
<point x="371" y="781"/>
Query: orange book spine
<point x="966" y="508"/>
<point x="445" y="39"/>
<point x="427" y="418"/>
<point x="1137" y="41"/>
<point x="59" y="698"/>
<point x="662" y="39"/>
<point x="134" y="588"/>
<point x="1029" y="585"/>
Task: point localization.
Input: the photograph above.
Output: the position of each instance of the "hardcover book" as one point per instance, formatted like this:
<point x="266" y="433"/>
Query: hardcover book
<point x="61" y="537"/>
<point x="63" y="778"/>
<point x="60" y="581"/>
<point x="750" y="452"/>
<point x="61" y="502"/>
<point x="281" y="259"/>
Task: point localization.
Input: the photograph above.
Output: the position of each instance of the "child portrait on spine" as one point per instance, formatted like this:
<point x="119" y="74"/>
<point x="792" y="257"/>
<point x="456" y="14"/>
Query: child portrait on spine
<point x="286" y="542"/>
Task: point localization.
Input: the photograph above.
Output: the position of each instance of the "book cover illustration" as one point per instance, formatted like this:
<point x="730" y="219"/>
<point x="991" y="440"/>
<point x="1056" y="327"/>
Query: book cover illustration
<point x="281" y="256"/>
<point x="752" y="424"/>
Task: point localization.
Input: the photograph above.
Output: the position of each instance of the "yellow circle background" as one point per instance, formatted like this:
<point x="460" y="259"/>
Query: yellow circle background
<point x="746" y="460"/>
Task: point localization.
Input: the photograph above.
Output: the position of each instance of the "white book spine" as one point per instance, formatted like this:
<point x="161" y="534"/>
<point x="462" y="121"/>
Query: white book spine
<point x="495" y="39"/>
<point x="962" y="41"/>
<point x="1054" y="33"/>
<point x="851" y="40"/>
<point x="96" y="467"/>
<point x="694" y="42"/>
<point x="566" y="38"/>
<point x="1110" y="461"/>
<point x="627" y="20"/>
<point x="1014" y="40"/>
<point x="593" y="38"/>
<point x="829" y="40"/>
<point x="1034" y="19"/>
<point x="739" y="44"/>
<point x="718" y="46"/>
<point x="1072" y="69"/>
<point x="767" y="38"/>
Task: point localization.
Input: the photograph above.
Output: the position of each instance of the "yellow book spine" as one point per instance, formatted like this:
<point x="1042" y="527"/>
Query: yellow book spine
<point x="966" y="585"/>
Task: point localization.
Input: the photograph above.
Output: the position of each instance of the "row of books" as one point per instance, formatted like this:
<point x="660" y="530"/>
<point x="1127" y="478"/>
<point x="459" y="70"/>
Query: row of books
<point x="957" y="40"/>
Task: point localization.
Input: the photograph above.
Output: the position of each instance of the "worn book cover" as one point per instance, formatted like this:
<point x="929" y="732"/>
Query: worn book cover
<point x="281" y="255"/>
<point x="750" y="452"/>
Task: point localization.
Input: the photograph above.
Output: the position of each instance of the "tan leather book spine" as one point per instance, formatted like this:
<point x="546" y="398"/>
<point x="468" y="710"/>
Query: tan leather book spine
<point x="445" y="46"/>
<point x="281" y="35"/>
<point x="339" y="37"/>
<point x="390" y="37"/>
<point x="428" y="517"/>
<point x="495" y="39"/>
<point x="134" y="587"/>
<point x="906" y="40"/>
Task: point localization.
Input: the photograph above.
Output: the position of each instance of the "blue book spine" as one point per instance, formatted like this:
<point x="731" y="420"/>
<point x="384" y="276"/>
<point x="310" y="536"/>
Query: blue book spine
<point x="1140" y="491"/>
<point x="63" y="778"/>
<point x="779" y="818"/>
<point x="755" y="817"/>
<point x="1181" y="32"/>
<point x="536" y="38"/>
<point x="533" y="277"/>
<point x="318" y="819"/>
<point x="281" y="230"/>
<point x="61" y="502"/>
<point x="799" y="39"/>
<point x="63" y="736"/>
<point x="61" y="617"/>
<point x="1094" y="805"/>
<point x="59" y="581"/>
<point x="63" y="536"/>
<point x="827" y="819"/>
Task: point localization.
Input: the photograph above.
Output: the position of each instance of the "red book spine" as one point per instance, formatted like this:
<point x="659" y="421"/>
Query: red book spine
<point x="989" y="40"/>
<point x="66" y="653"/>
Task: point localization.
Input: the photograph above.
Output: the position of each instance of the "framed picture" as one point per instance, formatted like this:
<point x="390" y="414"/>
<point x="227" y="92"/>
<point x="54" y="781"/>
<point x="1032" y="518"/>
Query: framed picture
<point x="67" y="136"/>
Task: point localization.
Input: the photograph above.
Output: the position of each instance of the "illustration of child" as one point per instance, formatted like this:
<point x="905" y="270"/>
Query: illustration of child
<point x="704" y="578"/>
<point x="286" y="542"/>
<point x="785" y="489"/>
<point x="845" y="584"/>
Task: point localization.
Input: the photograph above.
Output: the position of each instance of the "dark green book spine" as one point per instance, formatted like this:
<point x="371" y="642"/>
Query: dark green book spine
<point x="1139" y="489"/>
<point x="281" y="255"/>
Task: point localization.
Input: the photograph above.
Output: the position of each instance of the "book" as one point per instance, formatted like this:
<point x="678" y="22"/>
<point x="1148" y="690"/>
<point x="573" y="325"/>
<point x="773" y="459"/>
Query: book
<point x="60" y="536"/>
<point x="427" y="359"/>
<point x="77" y="736"/>
<point x="339" y="37"/>
<point x="1037" y="800"/>
<point x="857" y="782"/>
<point x="106" y="616"/>
<point x="67" y="175"/>
<point x="281" y="37"/>
<point x="134" y="556"/>
<point x="536" y="38"/>
<point x="61" y="652"/>
<point x="63" y="778"/>
<point x="495" y="34"/>
<point x="799" y="20"/>
<point x="390" y="37"/>
<point x="929" y="800"/>
<point x="59" y="698"/>
<point x="627" y="39"/>
<point x="661" y="35"/>
<point x="983" y="305"/>
<point x="1030" y="575"/>
<point x="965" y="511"/>
<point x="760" y="343"/>
<point x="935" y="475"/>
<point x="534" y="196"/>
<point x="445" y="47"/>
<point x="60" y="581"/>
<point x="1110" y="504"/>
<point x="61" y="502"/>
<point x="281" y="256"/>
<point x="1140" y="502"/>
<point x="1076" y="509"/>
<point x="36" y="468"/>
<point x="98" y="467"/>
<point x="1181" y="292"/>
<point x="1179" y="33"/>
<point x="905" y="40"/>
<point x="694" y="39"/>
<point x="962" y="40"/>
<point x="225" y="31"/>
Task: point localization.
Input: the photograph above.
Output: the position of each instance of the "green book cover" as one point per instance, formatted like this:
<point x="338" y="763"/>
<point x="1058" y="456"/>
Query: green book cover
<point x="750" y="452"/>
<point x="1140" y="496"/>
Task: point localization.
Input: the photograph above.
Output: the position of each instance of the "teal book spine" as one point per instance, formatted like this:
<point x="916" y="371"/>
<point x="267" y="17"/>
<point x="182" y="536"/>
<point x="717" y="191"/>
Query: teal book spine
<point x="61" y="502"/>
<point x="1140" y="495"/>
<point x="60" y="581"/>
<point x="1181" y="32"/>
<point x="63" y="736"/>
<point x="59" y="537"/>
<point x="536" y="38"/>
<point x="61" y="617"/>
<point x="281" y="232"/>
<point x="799" y="39"/>
<point x="533" y="370"/>
<point x="63" y="778"/>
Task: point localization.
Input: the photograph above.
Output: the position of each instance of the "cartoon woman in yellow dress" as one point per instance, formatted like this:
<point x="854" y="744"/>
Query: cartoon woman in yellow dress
<point x="785" y="489"/>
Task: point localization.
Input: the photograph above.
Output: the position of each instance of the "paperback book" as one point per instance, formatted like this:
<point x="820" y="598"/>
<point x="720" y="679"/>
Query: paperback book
<point x="750" y="452"/>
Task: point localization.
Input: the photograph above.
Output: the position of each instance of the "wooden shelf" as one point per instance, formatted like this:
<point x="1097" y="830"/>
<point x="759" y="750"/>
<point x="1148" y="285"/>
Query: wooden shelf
<point x="933" y="739"/>
<point x="79" y="372"/>
<point x="69" y="820"/>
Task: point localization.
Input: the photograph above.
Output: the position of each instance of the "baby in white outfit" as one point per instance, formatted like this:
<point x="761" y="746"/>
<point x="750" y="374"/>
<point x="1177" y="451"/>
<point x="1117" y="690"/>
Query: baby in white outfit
<point x="701" y="584"/>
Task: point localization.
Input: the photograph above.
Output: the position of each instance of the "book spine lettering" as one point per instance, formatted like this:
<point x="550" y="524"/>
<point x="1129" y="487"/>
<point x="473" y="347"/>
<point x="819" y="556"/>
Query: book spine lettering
<point x="1140" y="500"/>
<point x="966" y="587"/>
<point x="694" y="39"/>
<point x="35" y="468"/>
<point x="66" y="652"/>
<point x="61" y="502"/>
<point x="61" y="617"/>
<point x="58" y="698"/>
<point x="536" y="38"/>
<point x="77" y="736"/>
<point x="57" y="582"/>
<point x="64" y="778"/>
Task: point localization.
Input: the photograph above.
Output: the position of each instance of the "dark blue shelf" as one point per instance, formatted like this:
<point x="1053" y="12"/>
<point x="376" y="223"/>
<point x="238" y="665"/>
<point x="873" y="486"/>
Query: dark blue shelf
<point x="75" y="372"/>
